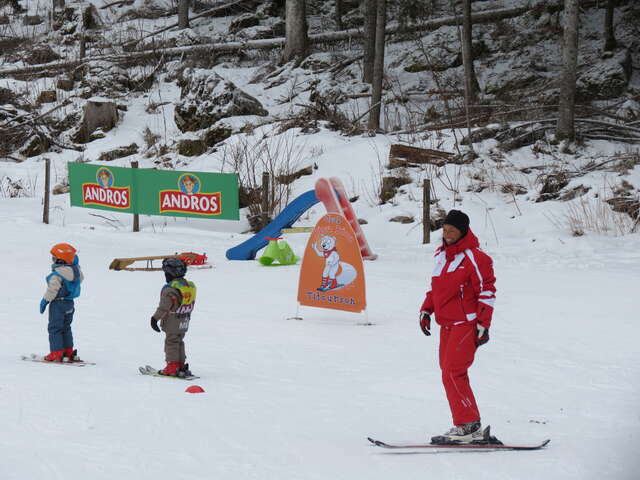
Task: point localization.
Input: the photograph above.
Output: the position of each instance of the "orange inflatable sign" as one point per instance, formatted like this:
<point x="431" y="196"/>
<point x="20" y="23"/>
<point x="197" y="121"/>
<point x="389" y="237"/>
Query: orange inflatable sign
<point x="332" y="274"/>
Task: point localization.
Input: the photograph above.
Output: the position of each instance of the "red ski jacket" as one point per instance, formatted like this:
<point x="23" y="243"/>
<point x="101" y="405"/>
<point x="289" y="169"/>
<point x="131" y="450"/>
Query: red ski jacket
<point x="462" y="284"/>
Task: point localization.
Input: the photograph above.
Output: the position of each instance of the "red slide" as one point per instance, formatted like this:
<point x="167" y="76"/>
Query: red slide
<point x="334" y="197"/>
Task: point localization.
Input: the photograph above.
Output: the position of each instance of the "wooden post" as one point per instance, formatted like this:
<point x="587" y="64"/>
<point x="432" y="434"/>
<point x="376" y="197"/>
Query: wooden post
<point x="136" y="218"/>
<point x="265" y="199"/>
<point x="47" y="181"/>
<point x="426" y="212"/>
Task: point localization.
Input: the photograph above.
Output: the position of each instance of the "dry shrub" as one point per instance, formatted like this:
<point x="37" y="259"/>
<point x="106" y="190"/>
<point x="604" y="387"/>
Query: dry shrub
<point x="593" y="215"/>
<point x="10" y="188"/>
<point x="279" y="156"/>
<point x="321" y="110"/>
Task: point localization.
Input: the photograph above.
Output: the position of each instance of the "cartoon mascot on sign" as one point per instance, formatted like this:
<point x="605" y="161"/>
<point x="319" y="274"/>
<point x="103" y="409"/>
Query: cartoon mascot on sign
<point x="331" y="257"/>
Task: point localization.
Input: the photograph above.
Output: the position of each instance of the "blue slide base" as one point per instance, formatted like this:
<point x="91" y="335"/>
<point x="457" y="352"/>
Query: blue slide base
<point x="248" y="249"/>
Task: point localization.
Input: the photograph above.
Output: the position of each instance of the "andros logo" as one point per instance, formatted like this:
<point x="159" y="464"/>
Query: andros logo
<point x="103" y="192"/>
<point x="188" y="198"/>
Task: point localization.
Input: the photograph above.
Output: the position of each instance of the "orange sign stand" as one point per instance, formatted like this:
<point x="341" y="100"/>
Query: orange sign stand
<point x="332" y="273"/>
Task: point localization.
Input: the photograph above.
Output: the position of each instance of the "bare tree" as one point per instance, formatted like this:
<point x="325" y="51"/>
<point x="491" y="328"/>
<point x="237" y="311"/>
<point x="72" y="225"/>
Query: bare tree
<point x="183" y="14"/>
<point x="566" y="109"/>
<point x="378" y="66"/>
<point x="338" y="14"/>
<point x="471" y="82"/>
<point x="370" y="10"/>
<point x="609" y="32"/>
<point x="297" y="40"/>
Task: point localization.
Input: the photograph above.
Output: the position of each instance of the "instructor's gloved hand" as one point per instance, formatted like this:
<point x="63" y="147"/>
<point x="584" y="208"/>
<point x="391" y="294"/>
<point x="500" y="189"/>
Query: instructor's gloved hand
<point x="483" y="335"/>
<point x="43" y="305"/>
<point x="425" y="323"/>
<point x="154" y="324"/>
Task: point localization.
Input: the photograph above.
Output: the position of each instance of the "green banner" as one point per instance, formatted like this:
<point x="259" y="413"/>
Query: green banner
<point x="155" y="192"/>
<point x="188" y="194"/>
<point x="105" y="188"/>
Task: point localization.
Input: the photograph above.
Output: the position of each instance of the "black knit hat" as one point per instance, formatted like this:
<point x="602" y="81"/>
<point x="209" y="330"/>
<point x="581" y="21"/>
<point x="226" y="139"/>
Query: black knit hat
<point x="458" y="219"/>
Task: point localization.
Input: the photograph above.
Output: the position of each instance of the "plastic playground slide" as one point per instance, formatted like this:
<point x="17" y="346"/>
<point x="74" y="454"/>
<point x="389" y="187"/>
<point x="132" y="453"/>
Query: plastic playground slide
<point x="248" y="249"/>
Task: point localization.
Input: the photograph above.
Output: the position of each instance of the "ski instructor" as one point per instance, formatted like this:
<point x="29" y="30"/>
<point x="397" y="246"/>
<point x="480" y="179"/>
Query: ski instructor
<point x="462" y="296"/>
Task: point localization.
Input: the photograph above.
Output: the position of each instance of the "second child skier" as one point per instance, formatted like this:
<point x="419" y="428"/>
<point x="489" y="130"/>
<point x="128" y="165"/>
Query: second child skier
<point x="177" y="299"/>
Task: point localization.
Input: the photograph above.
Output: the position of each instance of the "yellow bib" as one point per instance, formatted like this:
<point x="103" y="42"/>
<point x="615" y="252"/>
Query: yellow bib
<point x="188" y="293"/>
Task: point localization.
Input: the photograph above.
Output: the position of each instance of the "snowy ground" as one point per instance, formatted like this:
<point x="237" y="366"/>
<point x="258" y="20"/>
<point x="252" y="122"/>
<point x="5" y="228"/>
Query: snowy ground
<point x="290" y="399"/>
<point x="296" y="399"/>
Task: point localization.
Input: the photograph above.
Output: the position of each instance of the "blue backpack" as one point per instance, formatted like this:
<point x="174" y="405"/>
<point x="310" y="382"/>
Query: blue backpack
<point x="69" y="289"/>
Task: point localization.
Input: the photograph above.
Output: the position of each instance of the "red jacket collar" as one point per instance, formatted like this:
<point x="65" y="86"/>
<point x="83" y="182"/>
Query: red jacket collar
<point x="468" y="241"/>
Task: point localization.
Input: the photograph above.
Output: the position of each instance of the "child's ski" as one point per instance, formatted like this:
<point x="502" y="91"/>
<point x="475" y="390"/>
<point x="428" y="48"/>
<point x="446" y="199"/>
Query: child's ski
<point x="148" y="370"/>
<point x="40" y="359"/>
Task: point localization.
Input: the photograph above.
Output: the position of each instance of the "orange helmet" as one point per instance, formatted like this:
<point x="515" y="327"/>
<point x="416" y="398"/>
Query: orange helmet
<point x="64" y="251"/>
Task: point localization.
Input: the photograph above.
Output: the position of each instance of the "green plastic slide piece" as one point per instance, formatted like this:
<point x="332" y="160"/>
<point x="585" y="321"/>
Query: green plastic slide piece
<point x="278" y="251"/>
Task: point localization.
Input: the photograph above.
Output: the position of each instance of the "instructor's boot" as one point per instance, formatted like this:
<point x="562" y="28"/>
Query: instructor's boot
<point x="466" y="433"/>
<point x="55" y="356"/>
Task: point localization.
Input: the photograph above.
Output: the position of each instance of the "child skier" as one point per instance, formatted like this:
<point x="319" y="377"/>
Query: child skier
<point x="177" y="299"/>
<point x="63" y="285"/>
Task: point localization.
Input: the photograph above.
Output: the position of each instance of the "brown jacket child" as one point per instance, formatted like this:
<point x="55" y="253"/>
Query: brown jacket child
<point x="177" y="299"/>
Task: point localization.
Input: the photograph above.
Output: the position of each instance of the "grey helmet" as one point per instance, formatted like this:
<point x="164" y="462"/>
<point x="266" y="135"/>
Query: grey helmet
<point x="174" y="267"/>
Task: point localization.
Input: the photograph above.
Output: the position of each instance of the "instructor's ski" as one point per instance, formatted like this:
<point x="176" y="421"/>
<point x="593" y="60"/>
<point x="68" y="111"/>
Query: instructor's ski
<point x="148" y="370"/>
<point x="40" y="359"/>
<point x="458" y="446"/>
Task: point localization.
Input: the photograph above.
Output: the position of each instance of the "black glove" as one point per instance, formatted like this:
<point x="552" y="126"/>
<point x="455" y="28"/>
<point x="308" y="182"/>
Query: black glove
<point x="425" y="323"/>
<point x="154" y="324"/>
<point x="483" y="335"/>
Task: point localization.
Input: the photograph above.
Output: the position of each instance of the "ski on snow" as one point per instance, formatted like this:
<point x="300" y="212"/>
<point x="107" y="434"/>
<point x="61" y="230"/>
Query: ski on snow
<point x="488" y="444"/>
<point x="40" y="359"/>
<point x="459" y="446"/>
<point x="148" y="370"/>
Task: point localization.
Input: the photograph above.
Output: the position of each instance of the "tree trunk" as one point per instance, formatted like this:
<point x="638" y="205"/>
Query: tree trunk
<point x="566" y="110"/>
<point x="338" y="15"/>
<point x="369" y="40"/>
<point x="378" y="66"/>
<point x="471" y="82"/>
<point x="609" y="33"/>
<point x="297" y="41"/>
<point x="183" y="14"/>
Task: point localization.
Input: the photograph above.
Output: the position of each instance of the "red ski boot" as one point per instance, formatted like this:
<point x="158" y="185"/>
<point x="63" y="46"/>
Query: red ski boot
<point x="54" y="356"/>
<point x="171" y="369"/>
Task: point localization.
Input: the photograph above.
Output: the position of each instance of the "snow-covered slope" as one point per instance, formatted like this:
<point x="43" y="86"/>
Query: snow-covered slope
<point x="292" y="399"/>
<point x="296" y="399"/>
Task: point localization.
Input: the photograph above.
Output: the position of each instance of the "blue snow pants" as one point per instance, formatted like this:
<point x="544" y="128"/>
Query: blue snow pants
<point x="60" y="318"/>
